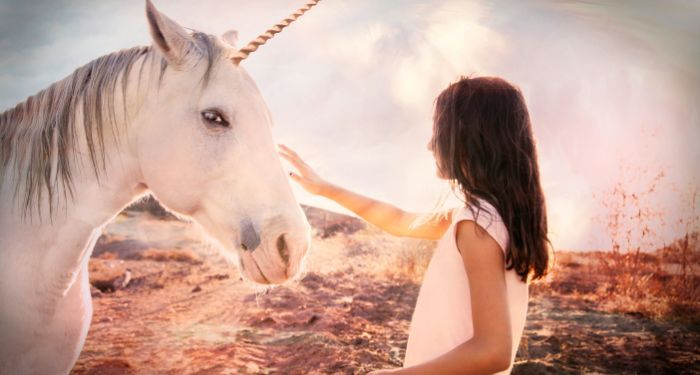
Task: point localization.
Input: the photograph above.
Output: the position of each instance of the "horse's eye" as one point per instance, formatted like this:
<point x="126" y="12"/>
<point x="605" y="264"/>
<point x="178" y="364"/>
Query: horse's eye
<point x="214" y="118"/>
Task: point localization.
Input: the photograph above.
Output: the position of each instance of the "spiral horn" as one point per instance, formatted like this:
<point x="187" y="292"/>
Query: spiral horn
<point x="269" y="33"/>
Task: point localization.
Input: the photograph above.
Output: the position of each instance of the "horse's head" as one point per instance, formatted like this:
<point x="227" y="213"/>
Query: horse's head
<point x="205" y="149"/>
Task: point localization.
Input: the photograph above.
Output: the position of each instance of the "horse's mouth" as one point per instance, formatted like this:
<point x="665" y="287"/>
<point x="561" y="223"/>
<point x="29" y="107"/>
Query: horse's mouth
<point x="249" y="265"/>
<point x="260" y="271"/>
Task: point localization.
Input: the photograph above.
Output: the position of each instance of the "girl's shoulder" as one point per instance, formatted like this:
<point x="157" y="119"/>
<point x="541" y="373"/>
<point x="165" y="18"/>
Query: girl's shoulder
<point x="485" y="216"/>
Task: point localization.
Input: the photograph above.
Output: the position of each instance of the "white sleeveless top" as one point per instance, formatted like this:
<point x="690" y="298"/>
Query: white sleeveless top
<point x="442" y="319"/>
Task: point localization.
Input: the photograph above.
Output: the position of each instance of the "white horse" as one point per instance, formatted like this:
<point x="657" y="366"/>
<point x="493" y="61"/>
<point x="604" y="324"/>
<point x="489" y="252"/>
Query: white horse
<point x="181" y="120"/>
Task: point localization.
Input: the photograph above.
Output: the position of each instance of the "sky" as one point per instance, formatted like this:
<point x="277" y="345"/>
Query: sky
<point x="612" y="88"/>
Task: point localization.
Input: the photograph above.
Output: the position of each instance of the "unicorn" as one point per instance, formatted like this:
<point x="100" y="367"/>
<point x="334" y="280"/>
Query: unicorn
<point x="181" y="120"/>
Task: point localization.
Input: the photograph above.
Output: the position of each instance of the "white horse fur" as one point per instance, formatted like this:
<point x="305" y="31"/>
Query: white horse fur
<point x="181" y="121"/>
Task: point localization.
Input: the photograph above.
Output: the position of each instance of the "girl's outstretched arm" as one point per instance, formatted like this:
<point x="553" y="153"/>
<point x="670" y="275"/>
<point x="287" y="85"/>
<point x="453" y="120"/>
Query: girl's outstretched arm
<point x="387" y="217"/>
<point x="490" y="349"/>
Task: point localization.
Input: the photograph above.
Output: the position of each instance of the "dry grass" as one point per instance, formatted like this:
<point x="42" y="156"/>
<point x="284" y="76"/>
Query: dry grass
<point x="398" y="260"/>
<point x="632" y="277"/>
<point x="410" y="264"/>
<point x="651" y="285"/>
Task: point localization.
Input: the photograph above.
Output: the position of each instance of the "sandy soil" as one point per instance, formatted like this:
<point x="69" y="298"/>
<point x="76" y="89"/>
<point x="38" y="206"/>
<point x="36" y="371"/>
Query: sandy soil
<point x="166" y="303"/>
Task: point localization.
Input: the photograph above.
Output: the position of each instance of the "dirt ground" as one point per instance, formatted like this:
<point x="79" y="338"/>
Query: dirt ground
<point x="167" y="303"/>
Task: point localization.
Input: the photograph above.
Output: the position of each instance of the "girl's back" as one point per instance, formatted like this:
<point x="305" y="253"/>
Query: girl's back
<point x="443" y="315"/>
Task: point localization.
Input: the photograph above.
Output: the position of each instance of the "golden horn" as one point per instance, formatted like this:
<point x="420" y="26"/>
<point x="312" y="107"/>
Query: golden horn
<point x="269" y="33"/>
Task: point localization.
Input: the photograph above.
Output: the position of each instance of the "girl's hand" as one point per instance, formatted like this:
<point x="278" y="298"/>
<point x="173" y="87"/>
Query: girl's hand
<point x="307" y="177"/>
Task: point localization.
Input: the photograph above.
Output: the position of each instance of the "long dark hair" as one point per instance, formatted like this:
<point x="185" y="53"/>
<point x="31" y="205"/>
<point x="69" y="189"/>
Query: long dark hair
<point x="483" y="143"/>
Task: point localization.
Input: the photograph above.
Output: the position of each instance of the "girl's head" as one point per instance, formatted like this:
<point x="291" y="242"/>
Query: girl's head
<point x="483" y="143"/>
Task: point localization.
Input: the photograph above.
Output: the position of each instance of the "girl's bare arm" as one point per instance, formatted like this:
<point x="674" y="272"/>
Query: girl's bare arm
<point x="384" y="215"/>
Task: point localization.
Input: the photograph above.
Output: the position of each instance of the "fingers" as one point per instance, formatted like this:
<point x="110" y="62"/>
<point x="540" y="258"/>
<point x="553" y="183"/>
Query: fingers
<point x="294" y="159"/>
<point x="299" y="168"/>
<point x="288" y="150"/>
<point x="283" y="147"/>
<point x="304" y="175"/>
<point x="295" y="177"/>
<point x="290" y="154"/>
<point x="304" y="182"/>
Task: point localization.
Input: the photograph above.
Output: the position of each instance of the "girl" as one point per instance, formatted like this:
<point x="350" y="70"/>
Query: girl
<point x="472" y="305"/>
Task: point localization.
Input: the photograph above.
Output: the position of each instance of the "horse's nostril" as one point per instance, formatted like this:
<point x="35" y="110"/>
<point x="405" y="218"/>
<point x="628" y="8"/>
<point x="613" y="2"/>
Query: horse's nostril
<point x="283" y="249"/>
<point x="250" y="239"/>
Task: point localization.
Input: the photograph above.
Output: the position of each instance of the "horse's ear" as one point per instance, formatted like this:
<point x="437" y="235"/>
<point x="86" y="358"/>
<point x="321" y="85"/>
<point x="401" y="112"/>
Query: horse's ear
<point x="230" y="37"/>
<point x="170" y="38"/>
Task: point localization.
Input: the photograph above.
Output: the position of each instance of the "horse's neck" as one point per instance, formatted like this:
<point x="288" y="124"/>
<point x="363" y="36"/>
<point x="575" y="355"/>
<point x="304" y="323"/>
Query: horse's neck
<point x="53" y="248"/>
